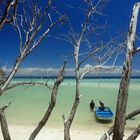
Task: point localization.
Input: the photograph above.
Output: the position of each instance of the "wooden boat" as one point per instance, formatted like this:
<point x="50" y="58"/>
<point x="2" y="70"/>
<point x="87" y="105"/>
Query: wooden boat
<point x="104" y="114"/>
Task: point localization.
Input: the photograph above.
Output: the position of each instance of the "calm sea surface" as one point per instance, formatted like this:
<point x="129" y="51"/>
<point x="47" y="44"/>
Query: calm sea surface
<point x="30" y="103"/>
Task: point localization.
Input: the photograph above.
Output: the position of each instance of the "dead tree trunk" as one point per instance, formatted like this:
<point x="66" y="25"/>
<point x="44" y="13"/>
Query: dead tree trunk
<point x="135" y="134"/>
<point x="77" y="40"/>
<point x="4" y="125"/>
<point x="51" y="104"/>
<point x="124" y="85"/>
<point x="68" y="122"/>
<point x="129" y="116"/>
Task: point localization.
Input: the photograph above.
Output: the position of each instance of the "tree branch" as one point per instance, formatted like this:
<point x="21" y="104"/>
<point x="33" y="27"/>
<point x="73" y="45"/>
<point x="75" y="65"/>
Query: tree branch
<point x="4" y="125"/>
<point x="135" y="134"/>
<point x="36" y="43"/>
<point x="27" y="83"/>
<point x="129" y="116"/>
<point x="89" y="55"/>
<point x="51" y="104"/>
<point x="136" y="50"/>
<point x="8" y="6"/>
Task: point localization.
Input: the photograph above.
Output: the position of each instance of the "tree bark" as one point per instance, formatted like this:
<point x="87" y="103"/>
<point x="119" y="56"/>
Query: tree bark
<point x="4" y="125"/>
<point x="124" y="84"/>
<point x="67" y="124"/>
<point x="51" y="104"/>
<point x="129" y="116"/>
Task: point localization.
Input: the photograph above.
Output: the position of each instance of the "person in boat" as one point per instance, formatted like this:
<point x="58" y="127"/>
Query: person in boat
<point x="91" y="105"/>
<point x="102" y="106"/>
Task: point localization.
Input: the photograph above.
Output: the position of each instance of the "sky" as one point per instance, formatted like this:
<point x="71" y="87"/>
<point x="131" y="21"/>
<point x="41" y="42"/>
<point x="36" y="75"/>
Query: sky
<point x="52" y="51"/>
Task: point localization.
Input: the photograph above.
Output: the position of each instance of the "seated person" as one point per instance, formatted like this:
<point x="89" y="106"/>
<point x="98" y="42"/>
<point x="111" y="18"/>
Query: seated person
<point x="102" y="106"/>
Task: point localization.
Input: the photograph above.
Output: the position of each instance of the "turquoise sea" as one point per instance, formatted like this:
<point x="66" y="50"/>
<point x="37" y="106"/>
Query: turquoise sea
<point x="29" y="103"/>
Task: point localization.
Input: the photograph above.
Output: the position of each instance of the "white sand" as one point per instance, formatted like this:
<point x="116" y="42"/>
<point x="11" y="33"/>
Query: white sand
<point x="19" y="132"/>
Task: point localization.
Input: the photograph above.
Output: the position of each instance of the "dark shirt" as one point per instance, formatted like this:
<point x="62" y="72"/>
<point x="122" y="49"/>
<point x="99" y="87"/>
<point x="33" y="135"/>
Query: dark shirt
<point x="92" y="104"/>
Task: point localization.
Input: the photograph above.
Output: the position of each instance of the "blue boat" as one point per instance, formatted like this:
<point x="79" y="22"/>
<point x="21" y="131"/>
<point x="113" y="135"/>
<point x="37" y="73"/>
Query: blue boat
<point x="104" y="114"/>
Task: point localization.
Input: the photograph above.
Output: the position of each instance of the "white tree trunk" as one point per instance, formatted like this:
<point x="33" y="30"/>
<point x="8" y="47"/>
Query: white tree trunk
<point x="124" y="85"/>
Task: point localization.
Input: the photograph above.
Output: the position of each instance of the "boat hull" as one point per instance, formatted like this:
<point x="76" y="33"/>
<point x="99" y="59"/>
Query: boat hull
<point x="105" y="114"/>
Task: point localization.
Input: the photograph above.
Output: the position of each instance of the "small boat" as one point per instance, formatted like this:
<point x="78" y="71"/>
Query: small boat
<point x="104" y="114"/>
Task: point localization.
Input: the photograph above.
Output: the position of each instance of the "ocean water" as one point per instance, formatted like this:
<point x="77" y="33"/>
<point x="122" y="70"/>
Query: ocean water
<point x="29" y="103"/>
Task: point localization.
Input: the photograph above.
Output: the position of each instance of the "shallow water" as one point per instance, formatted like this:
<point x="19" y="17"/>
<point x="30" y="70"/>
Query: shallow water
<point x="30" y="103"/>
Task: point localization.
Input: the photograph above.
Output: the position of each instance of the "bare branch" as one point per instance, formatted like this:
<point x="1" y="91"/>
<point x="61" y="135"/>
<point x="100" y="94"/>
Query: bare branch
<point x="91" y="68"/>
<point x="104" y="59"/>
<point x="64" y="119"/>
<point x="6" y="106"/>
<point x="50" y="18"/>
<point x="8" y="6"/>
<point x="51" y="104"/>
<point x="135" y="134"/>
<point x="5" y="14"/>
<point x="27" y="83"/>
<point x="36" y="43"/>
<point x="4" y="125"/>
<point x="89" y="55"/>
<point x="136" y="50"/>
<point x="129" y="116"/>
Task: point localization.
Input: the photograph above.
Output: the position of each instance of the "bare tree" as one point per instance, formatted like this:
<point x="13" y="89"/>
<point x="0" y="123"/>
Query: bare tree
<point x="124" y="84"/>
<point x="77" y="40"/>
<point x="30" y="22"/>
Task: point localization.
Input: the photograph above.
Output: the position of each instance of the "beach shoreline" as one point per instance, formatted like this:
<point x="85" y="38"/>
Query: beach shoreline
<point x="22" y="132"/>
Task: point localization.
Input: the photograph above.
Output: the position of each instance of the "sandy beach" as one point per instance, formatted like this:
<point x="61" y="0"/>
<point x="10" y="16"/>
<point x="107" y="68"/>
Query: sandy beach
<point x="19" y="132"/>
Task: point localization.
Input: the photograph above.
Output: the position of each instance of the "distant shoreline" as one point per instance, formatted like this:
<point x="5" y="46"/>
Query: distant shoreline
<point x="72" y="77"/>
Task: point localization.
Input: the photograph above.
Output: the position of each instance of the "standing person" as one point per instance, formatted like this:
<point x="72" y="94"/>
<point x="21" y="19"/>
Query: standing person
<point x="91" y="105"/>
